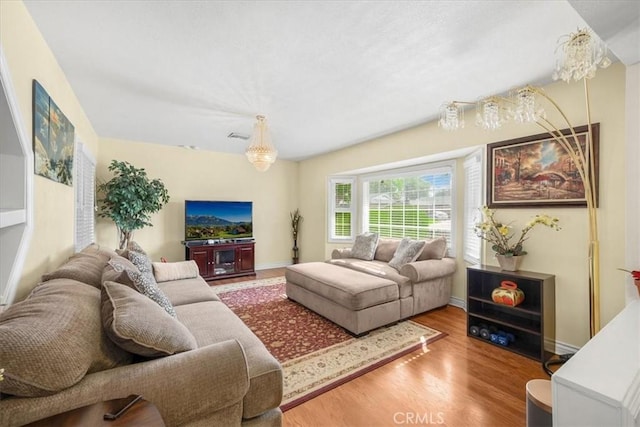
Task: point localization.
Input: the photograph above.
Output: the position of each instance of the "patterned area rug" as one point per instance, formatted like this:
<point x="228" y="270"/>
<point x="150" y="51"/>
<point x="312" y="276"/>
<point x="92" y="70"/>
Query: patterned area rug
<point x="316" y="354"/>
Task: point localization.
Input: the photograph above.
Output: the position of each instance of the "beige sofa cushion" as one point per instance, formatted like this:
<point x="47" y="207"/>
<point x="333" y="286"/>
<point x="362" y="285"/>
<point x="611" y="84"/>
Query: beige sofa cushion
<point x="379" y="269"/>
<point x="85" y="268"/>
<point x="139" y="325"/>
<point x="434" y="249"/>
<point x="188" y="291"/>
<point x="386" y="249"/>
<point x="99" y="251"/>
<point x="165" y="271"/>
<point x="52" y="339"/>
<point x="213" y="322"/>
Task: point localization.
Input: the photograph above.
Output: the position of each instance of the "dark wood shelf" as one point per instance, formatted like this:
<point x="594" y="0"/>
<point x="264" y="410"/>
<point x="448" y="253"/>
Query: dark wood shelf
<point x="531" y="323"/>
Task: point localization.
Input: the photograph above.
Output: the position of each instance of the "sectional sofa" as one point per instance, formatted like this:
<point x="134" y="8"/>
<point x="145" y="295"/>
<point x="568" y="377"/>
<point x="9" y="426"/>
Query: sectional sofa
<point x="102" y="327"/>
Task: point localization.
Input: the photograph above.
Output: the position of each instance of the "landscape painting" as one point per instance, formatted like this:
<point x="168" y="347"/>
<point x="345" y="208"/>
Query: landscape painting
<point x="537" y="171"/>
<point x="53" y="136"/>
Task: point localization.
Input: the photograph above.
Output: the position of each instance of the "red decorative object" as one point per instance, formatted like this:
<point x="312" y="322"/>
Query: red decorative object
<point x="507" y="294"/>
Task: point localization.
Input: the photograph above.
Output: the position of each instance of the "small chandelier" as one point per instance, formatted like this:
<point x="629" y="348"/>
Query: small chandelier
<point x="526" y="110"/>
<point x="579" y="56"/>
<point x="451" y="116"/>
<point x="261" y="152"/>
<point x="490" y="114"/>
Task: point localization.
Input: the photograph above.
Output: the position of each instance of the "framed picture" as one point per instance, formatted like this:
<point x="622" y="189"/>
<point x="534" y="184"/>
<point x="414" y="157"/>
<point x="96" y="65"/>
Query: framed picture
<point x="53" y="136"/>
<point x="537" y="171"/>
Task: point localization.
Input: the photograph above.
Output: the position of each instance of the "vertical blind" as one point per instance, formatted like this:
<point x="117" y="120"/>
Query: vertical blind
<point x="85" y="167"/>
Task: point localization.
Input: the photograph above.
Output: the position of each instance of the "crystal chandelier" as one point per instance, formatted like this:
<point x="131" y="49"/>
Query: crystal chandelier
<point x="490" y="114"/>
<point x="261" y="152"/>
<point x="580" y="55"/>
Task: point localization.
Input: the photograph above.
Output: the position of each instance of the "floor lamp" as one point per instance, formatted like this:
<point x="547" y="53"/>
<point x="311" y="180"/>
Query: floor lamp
<point x="579" y="56"/>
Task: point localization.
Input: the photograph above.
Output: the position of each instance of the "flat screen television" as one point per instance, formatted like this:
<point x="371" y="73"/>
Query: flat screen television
<point x="213" y="220"/>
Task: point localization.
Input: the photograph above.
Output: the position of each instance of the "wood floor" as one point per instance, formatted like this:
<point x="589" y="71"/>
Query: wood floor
<point x="459" y="381"/>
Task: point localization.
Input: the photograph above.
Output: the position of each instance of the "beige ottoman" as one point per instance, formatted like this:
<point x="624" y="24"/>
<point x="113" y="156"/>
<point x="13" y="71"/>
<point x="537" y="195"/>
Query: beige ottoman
<point x="356" y="301"/>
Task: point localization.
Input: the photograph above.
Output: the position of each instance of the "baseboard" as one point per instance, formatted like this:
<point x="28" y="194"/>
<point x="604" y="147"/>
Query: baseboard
<point x="272" y="265"/>
<point x="559" y="347"/>
<point x="458" y="302"/>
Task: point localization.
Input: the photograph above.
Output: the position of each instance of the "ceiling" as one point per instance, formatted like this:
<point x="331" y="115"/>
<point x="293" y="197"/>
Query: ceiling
<point x="326" y="74"/>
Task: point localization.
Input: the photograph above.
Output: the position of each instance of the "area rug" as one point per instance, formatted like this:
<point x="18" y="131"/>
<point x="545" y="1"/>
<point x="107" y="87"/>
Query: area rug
<point x="316" y="354"/>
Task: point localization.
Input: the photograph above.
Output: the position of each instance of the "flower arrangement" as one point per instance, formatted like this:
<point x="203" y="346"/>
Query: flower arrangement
<point x="499" y="234"/>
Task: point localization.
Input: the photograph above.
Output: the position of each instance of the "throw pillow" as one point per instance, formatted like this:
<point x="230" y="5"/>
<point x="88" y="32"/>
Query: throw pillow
<point x="165" y="271"/>
<point x="53" y="338"/>
<point x="365" y="246"/>
<point x="141" y="261"/>
<point x="147" y="285"/>
<point x="386" y="249"/>
<point x="135" y="247"/>
<point x="434" y="249"/>
<point x="408" y="251"/>
<point x="138" y="325"/>
<point x="116" y="271"/>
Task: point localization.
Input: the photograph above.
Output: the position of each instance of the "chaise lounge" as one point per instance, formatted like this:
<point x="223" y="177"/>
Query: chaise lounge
<point x="362" y="290"/>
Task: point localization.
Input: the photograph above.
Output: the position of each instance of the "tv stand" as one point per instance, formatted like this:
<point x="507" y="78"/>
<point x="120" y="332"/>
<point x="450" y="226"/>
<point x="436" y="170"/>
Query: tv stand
<point x="223" y="259"/>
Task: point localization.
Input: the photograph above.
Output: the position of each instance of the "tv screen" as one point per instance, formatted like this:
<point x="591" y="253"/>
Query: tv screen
<point x="206" y="220"/>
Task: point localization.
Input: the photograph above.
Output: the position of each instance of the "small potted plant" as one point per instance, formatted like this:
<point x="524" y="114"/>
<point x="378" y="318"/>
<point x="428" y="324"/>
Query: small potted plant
<point x="499" y="235"/>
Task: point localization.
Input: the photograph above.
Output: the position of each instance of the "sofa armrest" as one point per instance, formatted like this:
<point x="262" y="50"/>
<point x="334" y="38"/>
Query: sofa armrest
<point x="341" y="253"/>
<point x="420" y="271"/>
<point x="186" y="387"/>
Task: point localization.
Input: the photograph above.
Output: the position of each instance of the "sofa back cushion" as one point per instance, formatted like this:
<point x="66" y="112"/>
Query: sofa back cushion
<point x="386" y="249"/>
<point x="139" y="325"/>
<point x="52" y="339"/>
<point x="83" y="267"/>
<point x="434" y="249"/>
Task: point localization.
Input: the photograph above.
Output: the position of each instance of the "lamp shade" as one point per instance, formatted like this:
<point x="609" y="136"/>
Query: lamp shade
<point x="261" y="152"/>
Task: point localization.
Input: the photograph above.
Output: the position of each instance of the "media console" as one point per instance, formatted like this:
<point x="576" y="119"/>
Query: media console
<point x="222" y="258"/>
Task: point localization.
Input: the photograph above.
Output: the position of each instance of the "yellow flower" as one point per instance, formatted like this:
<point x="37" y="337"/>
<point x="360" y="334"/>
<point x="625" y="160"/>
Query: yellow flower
<point x="504" y="230"/>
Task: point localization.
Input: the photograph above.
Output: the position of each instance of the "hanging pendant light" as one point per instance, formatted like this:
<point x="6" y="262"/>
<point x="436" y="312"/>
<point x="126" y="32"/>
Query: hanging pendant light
<point x="261" y="152"/>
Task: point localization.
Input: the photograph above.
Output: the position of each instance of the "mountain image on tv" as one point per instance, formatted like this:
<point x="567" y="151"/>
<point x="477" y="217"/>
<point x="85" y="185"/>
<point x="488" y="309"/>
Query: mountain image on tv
<point x="218" y="220"/>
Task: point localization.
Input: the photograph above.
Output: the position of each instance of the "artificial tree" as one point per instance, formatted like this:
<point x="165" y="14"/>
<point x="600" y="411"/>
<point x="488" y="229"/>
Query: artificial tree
<point x="129" y="198"/>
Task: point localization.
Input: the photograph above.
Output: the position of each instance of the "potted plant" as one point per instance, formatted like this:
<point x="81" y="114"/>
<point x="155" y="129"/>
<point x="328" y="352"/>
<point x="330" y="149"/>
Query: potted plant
<point x="129" y="198"/>
<point x="499" y="235"/>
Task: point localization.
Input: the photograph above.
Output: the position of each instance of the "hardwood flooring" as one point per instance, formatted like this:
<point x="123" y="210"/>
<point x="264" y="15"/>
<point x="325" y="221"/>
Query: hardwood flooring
<point x="459" y="381"/>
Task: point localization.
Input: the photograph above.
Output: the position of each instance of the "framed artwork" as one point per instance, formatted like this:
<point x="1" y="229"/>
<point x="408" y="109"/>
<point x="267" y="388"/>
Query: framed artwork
<point x="53" y="136"/>
<point x="537" y="171"/>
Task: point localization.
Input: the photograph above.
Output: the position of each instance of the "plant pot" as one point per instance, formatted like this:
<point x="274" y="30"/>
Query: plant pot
<point x="509" y="263"/>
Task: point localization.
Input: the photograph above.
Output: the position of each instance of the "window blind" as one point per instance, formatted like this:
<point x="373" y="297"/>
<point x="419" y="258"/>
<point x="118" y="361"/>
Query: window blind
<point x="473" y="201"/>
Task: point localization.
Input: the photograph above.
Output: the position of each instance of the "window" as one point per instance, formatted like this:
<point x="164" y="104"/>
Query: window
<point x="85" y="167"/>
<point x="472" y="202"/>
<point x="341" y="209"/>
<point x="416" y="203"/>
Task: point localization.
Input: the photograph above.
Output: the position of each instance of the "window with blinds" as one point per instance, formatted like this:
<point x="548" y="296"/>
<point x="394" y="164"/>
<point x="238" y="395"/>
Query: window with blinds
<point x="473" y="201"/>
<point x="415" y="203"/>
<point x="85" y="169"/>
<point x="341" y="209"/>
